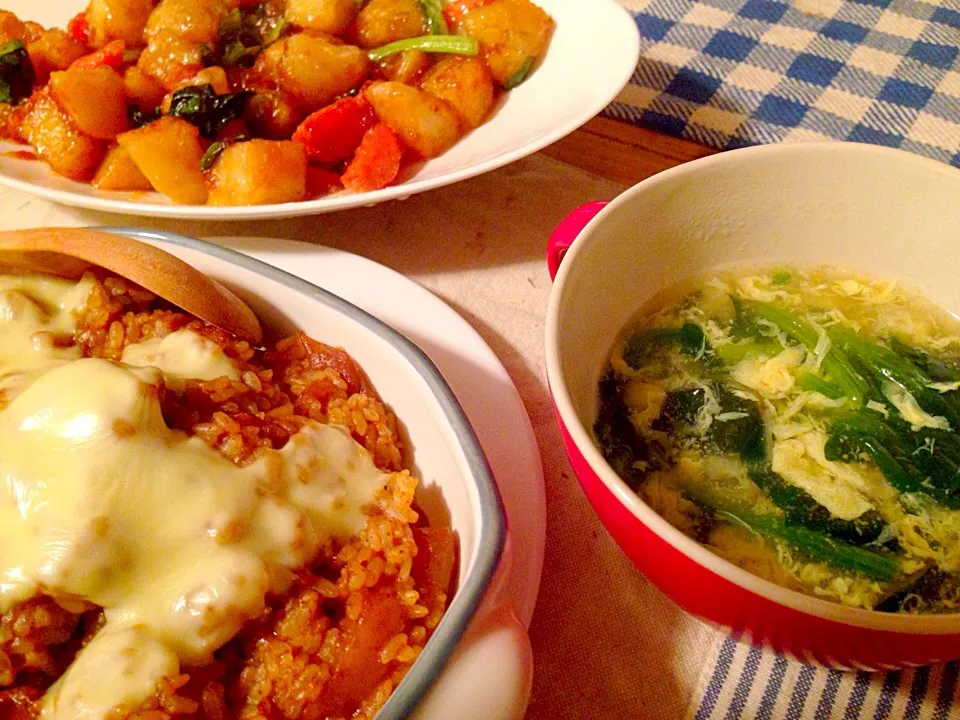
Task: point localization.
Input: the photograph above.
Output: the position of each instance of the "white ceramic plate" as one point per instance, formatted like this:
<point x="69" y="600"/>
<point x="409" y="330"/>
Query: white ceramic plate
<point x="477" y="377"/>
<point x="591" y="57"/>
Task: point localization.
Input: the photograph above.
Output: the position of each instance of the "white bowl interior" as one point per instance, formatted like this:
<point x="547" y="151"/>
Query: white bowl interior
<point x="877" y="211"/>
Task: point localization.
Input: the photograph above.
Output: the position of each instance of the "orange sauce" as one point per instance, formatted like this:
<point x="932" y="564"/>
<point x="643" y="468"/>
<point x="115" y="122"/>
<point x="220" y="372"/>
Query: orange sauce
<point x="21" y="155"/>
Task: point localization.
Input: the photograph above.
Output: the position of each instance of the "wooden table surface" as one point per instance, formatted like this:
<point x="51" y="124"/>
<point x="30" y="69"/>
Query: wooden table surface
<point x="623" y="153"/>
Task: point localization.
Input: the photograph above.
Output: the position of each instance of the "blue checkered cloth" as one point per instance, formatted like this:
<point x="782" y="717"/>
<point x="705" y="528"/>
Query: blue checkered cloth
<point x="730" y="73"/>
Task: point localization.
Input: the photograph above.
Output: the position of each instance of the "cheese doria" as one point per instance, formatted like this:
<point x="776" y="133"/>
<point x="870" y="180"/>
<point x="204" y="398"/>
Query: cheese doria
<point x="101" y="503"/>
<point x="802" y="423"/>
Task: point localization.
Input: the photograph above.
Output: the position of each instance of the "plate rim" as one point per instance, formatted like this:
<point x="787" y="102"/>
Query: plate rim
<point x="619" y="19"/>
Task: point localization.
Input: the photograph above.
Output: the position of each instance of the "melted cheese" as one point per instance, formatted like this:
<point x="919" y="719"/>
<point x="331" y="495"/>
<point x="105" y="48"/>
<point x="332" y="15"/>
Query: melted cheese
<point x="36" y="312"/>
<point x="91" y="687"/>
<point x="100" y="501"/>
<point x="182" y="355"/>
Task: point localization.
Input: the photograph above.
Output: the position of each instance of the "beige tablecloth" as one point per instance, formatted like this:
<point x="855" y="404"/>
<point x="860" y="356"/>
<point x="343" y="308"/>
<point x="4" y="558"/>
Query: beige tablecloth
<point x="607" y="644"/>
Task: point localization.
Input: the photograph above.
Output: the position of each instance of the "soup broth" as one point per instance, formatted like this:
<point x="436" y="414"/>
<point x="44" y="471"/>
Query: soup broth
<point x="804" y="424"/>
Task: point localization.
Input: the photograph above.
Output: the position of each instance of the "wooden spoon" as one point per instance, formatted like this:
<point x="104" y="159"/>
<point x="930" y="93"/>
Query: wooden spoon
<point x="68" y="252"/>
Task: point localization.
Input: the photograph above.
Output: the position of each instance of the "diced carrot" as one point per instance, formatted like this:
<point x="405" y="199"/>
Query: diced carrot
<point x="110" y="55"/>
<point x="453" y="12"/>
<point x="321" y="181"/>
<point x="333" y="133"/>
<point x="357" y="669"/>
<point x="433" y="566"/>
<point x="79" y="29"/>
<point x="376" y="163"/>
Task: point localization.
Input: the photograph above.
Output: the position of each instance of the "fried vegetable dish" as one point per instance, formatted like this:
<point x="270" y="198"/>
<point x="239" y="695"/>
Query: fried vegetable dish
<point x="232" y="102"/>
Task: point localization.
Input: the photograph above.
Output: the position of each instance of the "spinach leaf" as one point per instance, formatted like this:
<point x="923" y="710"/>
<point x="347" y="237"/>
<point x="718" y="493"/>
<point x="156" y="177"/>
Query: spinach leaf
<point x="815" y="545"/>
<point x="629" y="453"/>
<point x="199" y="105"/>
<point x="926" y="461"/>
<point x="16" y="73"/>
<point x="243" y="34"/>
<point x="799" y="507"/>
<point x="214" y="151"/>
<point x="139" y="117"/>
<point x="689" y="338"/>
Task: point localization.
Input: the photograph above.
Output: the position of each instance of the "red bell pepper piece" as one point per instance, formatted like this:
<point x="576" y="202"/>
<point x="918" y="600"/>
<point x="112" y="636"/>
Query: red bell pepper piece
<point x="79" y="28"/>
<point x="110" y="55"/>
<point x="376" y="163"/>
<point x="321" y="182"/>
<point x="333" y="133"/>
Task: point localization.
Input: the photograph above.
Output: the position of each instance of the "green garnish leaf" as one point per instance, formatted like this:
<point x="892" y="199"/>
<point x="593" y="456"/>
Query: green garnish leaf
<point x="453" y="44"/>
<point x="781" y="278"/>
<point x="200" y="106"/>
<point x="211" y="155"/>
<point x="208" y="53"/>
<point x="16" y="73"/>
<point x="433" y="10"/>
<point x="243" y="34"/>
<point x="236" y="51"/>
<point x="139" y="117"/>
<point x="214" y="151"/>
<point x="520" y="75"/>
<point x="274" y="30"/>
<point x="232" y="23"/>
<point x="9" y="47"/>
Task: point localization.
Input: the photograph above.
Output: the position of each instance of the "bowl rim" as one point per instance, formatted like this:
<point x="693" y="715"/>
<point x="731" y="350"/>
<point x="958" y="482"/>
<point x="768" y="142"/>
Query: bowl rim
<point x="492" y="531"/>
<point x="945" y="624"/>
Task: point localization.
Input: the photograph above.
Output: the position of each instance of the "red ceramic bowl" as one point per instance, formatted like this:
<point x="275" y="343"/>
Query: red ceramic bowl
<point x="881" y="212"/>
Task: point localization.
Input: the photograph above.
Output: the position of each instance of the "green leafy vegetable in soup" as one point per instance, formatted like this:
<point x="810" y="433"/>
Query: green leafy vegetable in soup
<point x="803" y="424"/>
